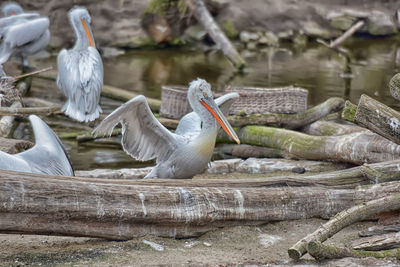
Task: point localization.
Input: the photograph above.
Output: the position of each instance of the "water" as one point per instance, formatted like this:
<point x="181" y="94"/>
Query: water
<point x="320" y="70"/>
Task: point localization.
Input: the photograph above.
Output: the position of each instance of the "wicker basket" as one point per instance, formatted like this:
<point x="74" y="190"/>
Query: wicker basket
<point x="277" y="100"/>
<point x="174" y="102"/>
<point x="290" y="99"/>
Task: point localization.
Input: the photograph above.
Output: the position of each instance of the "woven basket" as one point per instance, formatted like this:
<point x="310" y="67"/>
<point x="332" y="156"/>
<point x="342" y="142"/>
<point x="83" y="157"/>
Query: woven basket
<point x="174" y="102"/>
<point x="290" y="99"/>
<point x="262" y="100"/>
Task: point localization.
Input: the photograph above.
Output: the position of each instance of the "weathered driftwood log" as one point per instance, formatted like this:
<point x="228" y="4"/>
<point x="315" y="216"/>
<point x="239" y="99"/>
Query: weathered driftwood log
<point x="7" y="122"/>
<point x="125" y="95"/>
<point x="388" y="172"/>
<point x="378" y="242"/>
<point x="379" y="118"/>
<point x="255" y="166"/>
<point x="380" y="230"/>
<point x="113" y="92"/>
<point x="38" y="102"/>
<point x="32" y="73"/>
<point x="13" y="146"/>
<point x="349" y="111"/>
<point x="355" y="148"/>
<point x="289" y="121"/>
<point x="325" y="128"/>
<point x="324" y="252"/>
<point x="347" y="34"/>
<point x="119" y="209"/>
<point x="20" y="111"/>
<point x="204" y="17"/>
<point x="246" y="151"/>
<point x="345" y="218"/>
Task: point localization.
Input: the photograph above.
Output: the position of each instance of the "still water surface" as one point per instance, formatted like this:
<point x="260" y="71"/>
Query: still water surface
<point x="320" y="70"/>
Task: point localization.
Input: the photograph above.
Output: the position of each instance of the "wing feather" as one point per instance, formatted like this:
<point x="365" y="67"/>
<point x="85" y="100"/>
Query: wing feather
<point x="143" y="136"/>
<point x="25" y="31"/>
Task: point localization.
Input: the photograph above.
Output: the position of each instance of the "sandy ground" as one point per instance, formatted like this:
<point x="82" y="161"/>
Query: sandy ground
<point x="243" y="245"/>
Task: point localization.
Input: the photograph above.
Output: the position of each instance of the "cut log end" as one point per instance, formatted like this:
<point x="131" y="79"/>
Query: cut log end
<point x="294" y="254"/>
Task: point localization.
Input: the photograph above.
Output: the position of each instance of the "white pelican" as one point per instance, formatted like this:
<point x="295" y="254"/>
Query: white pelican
<point x="80" y="71"/>
<point x="22" y="34"/>
<point x="182" y="154"/>
<point x="47" y="156"/>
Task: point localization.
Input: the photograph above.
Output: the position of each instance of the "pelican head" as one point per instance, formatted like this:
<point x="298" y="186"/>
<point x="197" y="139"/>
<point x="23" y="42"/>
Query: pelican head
<point x="11" y="8"/>
<point x="80" y="21"/>
<point x="202" y="102"/>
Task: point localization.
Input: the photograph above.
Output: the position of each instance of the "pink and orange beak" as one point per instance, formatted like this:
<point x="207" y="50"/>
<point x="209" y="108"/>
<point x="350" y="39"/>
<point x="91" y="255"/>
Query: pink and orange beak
<point x="213" y="108"/>
<point x="88" y="33"/>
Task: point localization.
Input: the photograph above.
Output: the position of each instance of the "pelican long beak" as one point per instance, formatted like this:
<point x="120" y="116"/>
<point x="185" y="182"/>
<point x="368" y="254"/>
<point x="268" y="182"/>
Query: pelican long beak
<point x="211" y="106"/>
<point x="88" y="33"/>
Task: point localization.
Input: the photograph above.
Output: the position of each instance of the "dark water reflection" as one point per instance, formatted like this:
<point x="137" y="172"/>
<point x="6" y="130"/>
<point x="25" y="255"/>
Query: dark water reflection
<point x="316" y="68"/>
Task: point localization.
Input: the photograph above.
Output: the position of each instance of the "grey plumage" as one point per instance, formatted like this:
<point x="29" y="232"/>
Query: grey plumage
<point x="11" y="8"/>
<point x="182" y="154"/>
<point x="47" y="156"/>
<point x="22" y="34"/>
<point x="80" y="71"/>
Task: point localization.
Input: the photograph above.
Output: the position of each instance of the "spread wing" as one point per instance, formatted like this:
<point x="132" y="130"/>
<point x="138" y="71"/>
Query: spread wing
<point x="24" y="31"/>
<point x="143" y="136"/>
<point x="47" y="155"/>
<point x="80" y="78"/>
<point x="7" y="21"/>
<point x="190" y="124"/>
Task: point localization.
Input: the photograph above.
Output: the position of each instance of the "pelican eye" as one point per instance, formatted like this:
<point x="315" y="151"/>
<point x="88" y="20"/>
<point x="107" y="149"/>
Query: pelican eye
<point x="205" y="94"/>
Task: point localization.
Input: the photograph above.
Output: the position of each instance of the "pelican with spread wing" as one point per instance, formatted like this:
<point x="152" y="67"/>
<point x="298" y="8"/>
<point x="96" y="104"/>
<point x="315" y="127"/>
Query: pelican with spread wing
<point x="47" y="156"/>
<point x="80" y="71"/>
<point x="22" y="34"/>
<point x="184" y="153"/>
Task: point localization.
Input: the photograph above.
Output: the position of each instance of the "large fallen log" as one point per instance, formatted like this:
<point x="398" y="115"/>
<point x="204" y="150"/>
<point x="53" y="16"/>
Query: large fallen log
<point x="325" y="128"/>
<point x="289" y="121"/>
<point x="355" y="148"/>
<point x="377" y="117"/>
<point x="246" y="151"/>
<point x="120" y="209"/>
<point x="326" y="175"/>
<point x="347" y="217"/>
<point x="326" y="252"/>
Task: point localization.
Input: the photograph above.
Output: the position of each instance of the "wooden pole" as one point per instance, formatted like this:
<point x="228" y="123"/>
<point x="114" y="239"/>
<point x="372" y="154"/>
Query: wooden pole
<point x="204" y="17"/>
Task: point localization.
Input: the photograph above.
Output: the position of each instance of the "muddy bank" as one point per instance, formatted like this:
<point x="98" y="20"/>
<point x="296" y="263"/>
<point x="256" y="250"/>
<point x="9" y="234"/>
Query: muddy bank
<point x="118" y="23"/>
<point x="266" y="244"/>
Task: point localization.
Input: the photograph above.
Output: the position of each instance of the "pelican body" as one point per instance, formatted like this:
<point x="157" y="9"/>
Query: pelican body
<point x="80" y="71"/>
<point x="22" y="34"/>
<point x="182" y="154"/>
<point x="47" y="156"/>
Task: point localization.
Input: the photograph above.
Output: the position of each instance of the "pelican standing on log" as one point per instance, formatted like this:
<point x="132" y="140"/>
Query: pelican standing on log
<point x="80" y="71"/>
<point x="22" y="34"/>
<point x="47" y="156"/>
<point x="182" y="154"/>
